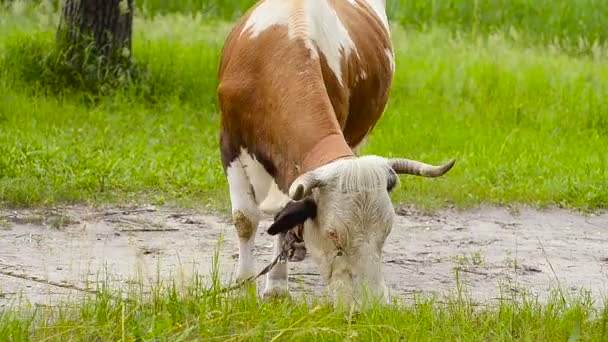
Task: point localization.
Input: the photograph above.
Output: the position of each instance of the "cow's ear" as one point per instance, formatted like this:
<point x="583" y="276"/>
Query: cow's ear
<point x="293" y="214"/>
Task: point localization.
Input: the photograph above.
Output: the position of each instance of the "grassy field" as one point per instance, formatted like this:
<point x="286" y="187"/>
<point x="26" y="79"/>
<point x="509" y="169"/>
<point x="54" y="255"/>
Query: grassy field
<point x="526" y="124"/>
<point x="579" y="26"/>
<point x="201" y="312"/>
<point x="514" y="90"/>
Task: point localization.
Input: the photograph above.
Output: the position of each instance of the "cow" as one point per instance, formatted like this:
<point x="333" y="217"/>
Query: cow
<point x="302" y="83"/>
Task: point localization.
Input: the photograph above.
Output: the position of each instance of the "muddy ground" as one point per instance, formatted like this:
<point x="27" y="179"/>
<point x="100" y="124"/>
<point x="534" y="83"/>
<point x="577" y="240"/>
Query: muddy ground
<point x="47" y="256"/>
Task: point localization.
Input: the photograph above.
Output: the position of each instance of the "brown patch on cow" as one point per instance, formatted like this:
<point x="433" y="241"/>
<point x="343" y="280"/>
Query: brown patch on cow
<point x="367" y="97"/>
<point x="244" y="226"/>
<point x="273" y="100"/>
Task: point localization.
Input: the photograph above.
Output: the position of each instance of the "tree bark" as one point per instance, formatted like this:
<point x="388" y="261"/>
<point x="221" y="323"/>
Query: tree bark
<point x="100" y="26"/>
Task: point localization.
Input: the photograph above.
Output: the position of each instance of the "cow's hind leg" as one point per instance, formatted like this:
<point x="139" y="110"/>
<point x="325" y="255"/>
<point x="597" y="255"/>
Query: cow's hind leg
<point x="245" y="215"/>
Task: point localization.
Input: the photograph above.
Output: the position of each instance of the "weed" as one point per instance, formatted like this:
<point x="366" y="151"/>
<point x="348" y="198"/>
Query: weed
<point x="33" y="219"/>
<point x="59" y="221"/>
<point x="477" y="259"/>
<point x="466" y="259"/>
<point x="5" y="223"/>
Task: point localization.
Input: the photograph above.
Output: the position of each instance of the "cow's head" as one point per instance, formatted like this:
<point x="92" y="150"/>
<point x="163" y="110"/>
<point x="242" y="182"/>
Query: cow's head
<point x="347" y="215"/>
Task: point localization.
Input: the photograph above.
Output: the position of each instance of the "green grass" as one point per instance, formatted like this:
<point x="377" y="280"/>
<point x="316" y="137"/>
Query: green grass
<point x="526" y="124"/>
<point x="577" y="25"/>
<point x="199" y="310"/>
<point x="225" y="9"/>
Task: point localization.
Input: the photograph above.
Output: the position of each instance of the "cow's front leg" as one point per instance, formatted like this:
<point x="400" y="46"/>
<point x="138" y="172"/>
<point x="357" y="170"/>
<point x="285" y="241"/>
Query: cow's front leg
<point x="246" y="216"/>
<point x="276" y="279"/>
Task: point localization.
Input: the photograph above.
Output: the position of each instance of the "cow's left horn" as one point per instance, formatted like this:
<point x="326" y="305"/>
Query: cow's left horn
<point x="413" y="167"/>
<point x="303" y="185"/>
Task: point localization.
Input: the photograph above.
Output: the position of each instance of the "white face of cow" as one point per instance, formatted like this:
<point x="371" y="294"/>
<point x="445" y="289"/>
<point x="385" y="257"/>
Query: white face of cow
<point x="347" y="215"/>
<point x="354" y="218"/>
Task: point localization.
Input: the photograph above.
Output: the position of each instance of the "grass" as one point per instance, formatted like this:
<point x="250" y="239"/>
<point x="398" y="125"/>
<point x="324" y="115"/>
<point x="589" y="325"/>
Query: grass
<point x="170" y="311"/>
<point x="153" y="138"/>
<point x="576" y="25"/>
<point x="526" y="124"/>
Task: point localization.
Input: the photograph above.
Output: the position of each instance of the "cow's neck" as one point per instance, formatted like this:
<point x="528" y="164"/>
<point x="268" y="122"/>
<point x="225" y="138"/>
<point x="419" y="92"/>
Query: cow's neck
<point x="295" y="159"/>
<point x="326" y="150"/>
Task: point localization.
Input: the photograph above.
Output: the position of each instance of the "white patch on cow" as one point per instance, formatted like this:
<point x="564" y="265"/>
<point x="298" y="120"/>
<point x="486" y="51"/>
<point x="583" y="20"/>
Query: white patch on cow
<point x="267" y="196"/>
<point x="241" y="196"/>
<point x="315" y="22"/>
<point x="275" y="200"/>
<point x="329" y="34"/>
<point x="268" y="13"/>
<point x="246" y="267"/>
<point x="391" y="58"/>
<point x="257" y="175"/>
<point x="363" y="75"/>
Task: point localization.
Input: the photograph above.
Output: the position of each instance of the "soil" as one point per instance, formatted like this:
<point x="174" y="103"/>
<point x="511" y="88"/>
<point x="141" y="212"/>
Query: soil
<point x="47" y="256"/>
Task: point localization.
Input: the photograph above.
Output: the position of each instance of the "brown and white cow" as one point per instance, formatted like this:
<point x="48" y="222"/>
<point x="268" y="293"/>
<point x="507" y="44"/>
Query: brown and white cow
<point x="302" y="84"/>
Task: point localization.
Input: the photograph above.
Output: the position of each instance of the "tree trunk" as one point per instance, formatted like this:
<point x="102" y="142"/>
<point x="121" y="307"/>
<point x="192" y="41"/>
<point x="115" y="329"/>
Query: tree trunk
<point x="102" y="27"/>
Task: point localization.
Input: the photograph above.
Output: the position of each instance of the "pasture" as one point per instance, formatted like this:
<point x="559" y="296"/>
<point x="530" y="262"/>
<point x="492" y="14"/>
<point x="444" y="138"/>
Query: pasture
<point x="507" y="246"/>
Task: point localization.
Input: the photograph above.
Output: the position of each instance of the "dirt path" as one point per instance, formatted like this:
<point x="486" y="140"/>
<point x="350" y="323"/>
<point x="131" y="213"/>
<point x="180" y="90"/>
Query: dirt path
<point x="46" y="256"/>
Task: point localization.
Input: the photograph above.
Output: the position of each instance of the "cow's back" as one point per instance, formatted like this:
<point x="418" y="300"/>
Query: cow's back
<point x="286" y="64"/>
<point x="361" y="98"/>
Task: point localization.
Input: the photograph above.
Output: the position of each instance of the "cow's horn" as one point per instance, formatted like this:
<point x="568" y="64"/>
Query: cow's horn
<point x="413" y="167"/>
<point x="303" y="185"/>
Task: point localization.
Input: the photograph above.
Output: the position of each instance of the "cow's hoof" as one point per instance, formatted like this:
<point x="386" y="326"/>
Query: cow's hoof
<point x="298" y="252"/>
<point x="276" y="293"/>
